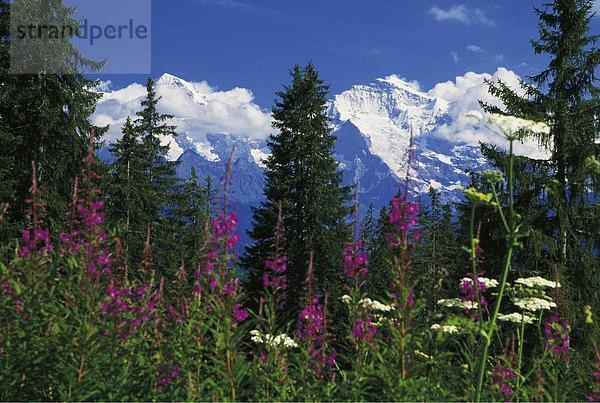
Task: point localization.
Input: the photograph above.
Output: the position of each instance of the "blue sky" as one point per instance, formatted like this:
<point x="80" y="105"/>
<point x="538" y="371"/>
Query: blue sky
<point x="253" y="43"/>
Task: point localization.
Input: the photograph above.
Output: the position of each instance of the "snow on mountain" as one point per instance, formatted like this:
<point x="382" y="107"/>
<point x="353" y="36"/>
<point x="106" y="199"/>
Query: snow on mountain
<point x="372" y="123"/>
<point x="384" y="113"/>
<point x="198" y="110"/>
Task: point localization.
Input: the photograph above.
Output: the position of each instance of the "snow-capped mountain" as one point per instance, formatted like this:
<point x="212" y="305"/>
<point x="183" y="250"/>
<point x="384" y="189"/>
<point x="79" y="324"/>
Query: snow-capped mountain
<point x="372" y="124"/>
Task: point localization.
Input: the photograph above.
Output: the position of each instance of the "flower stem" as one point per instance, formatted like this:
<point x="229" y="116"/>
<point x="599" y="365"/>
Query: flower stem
<point x="511" y="244"/>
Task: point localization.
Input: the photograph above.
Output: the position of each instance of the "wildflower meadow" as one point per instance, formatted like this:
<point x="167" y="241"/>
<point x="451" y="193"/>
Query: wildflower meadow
<point x="176" y="241"/>
<point x="79" y="324"/>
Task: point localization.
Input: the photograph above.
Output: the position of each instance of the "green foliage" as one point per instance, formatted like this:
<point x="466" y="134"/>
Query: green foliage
<point x="555" y="197"/>
<point x="437" y="259"/>
<point x="43" y="118"/>
<point x="303" y="176"/>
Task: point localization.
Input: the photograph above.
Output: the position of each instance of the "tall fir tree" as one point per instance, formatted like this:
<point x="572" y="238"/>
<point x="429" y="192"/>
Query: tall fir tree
<point x="43" y="118"/>
<point x="160" y="184"/>
<point x="126" y="175"/>
<point x="303" y="176"/>
<point x="555" y="196"/>
<point x="144" y="185"/>
<point x="190" y="213"/>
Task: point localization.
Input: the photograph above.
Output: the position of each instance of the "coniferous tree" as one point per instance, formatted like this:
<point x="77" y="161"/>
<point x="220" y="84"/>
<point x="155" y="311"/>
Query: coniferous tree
<point x="381" y="257"/>
<point x="304" y="177"/>
<point x="190" y="216"/>
<point x="43" y="118"/>
<point x="126" y="175"/>
<point x="559" y="208"/>
<point x="436" y="262"/>
<point x="144" y="185"/>
<point x="160" y="181"/>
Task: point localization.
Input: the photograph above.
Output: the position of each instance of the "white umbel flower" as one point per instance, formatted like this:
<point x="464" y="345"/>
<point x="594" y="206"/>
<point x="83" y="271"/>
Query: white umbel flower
<point x="450" y="329"/>
<point x="373" y="305"/>
<point x="346" y="299"/>
<point x="512" y="125"/>
<point x="516" y="317"/>
<point x="270" y="341"/>
<point x="457" y="303"/>
<point x="488" y="282"/>
<point x="537" y="282"/>
<point x="534" y="304"/>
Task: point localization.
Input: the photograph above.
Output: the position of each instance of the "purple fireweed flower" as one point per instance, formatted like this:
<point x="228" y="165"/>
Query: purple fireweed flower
<point x="311" y="321"/>
<point x="275" y="277"/>
<point x="166" y="374"/>
<point x="311" y="330"/>
<point x="403" y="216"/>
<point x="363" y="329"/>
<point x="239" y="313"/>
<point x="556" y="333"/>
<point x="129" y="307"/>
<point x="502" y="377"/>
<point x="469" y="291"/>
<point x="355" y="260"/>
<point x="35" y="240"/>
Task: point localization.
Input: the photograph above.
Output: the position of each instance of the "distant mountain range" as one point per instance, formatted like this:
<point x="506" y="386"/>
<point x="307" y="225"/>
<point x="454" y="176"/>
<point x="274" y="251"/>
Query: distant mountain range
<point x="372" y="124"/>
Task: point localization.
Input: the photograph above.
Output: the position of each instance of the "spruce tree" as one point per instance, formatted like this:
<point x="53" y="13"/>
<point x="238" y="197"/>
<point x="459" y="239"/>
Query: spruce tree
<point x="144" y="185"/>
<point x="126" y="176"/>
<point x="43" y="118"/>
<point x="381" y="257"/>
<point x="160" y="181"/>
<point x="563" y="220"/>
<point x="303" y="176"/>
<point x="190" y="218"/>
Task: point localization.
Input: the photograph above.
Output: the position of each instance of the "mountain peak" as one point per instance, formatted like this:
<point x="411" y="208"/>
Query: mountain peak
<point x="170" y="79"/>
<point x="173" y="82"/>
<point x="401" y="83"/>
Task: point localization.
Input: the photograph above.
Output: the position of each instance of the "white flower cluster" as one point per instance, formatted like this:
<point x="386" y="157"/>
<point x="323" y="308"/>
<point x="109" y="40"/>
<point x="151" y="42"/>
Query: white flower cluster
<point x="450" y="329"/>
<point x="457" y="303"/>
<point x="516" y="317"/>
<point x="422" y="354"/>
<point x="272" y="341"/>
<point x="373" y="305"/>
<point x="534" y="304"/>
<point x="346" y="299"/>
<point x="368" y="303"/>
<point x="535" y="282"/>
<point x="512" y="125"/>
<point x="488" y="282"/>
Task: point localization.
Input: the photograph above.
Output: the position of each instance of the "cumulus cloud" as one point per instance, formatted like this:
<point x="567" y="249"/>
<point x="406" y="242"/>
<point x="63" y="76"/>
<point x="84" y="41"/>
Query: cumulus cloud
<point x="463" y="14"/>
<point x="454" y="56"/>
<point x="199" y="109"/>
<point x="463" y="95"/>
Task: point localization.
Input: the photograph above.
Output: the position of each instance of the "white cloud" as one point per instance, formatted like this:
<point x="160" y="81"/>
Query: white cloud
<point x="199" y="109"/>
<point x="474" y="49"/>
<point x="463" y="95"/>
<point x="596" y="7"/>
<point x="462" y="14"/>
<point x="454" y="56"/>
